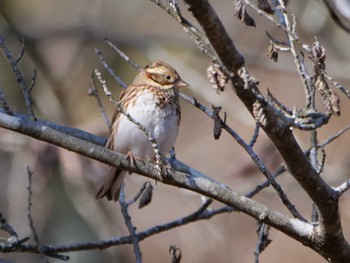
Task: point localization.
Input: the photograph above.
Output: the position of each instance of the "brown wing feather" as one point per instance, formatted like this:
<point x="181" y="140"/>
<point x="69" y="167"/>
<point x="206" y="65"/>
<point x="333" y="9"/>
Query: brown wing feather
<point x="114" y="180"/>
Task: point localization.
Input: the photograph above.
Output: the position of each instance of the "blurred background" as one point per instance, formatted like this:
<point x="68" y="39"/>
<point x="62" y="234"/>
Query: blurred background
<point x="60" y="38"/>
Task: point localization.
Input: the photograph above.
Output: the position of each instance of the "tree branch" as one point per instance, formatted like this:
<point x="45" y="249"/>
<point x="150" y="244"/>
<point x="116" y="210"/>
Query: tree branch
<point x="331" y="239"/>
<point x="196" y="182"/>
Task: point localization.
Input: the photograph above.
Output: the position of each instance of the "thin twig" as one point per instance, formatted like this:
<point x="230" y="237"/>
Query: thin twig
<point x="268" y="17"/>
<point x="29" y="215"/>
<point x="19" y="77"/>
<point x="32" y="83"/>
<point x="4" y="103"/>
<point x="132" y="230"/>
<point x="4" y="226"/>
<point x="337" y="85"/>
<point x="123" y="55"/>
<point x="255" y="135"/>
<point x="110" y="70"/>
<point x="278" y="103"/>
<point x="333" y="137"/>
<point x="20" y="53"/>
<point x="198" y="36"/>
<point x="341" y="189"/>
<point x="29" y="207"/>
<point x="299" y="62"/>
<point x="139" y="193"/>
<point x="263" y="240"/>
<point x="94" y="92"/>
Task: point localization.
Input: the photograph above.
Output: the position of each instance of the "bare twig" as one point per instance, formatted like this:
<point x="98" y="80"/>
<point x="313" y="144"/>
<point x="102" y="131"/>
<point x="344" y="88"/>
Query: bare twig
<point x="123" y="55"/>
<point x="13" y="242"/>
<point x="4" y="226"/>
<point x="110" y="70"/>
<point x="32" y="83"/>
<point x="29" y="215"/>
<point x="333" y="137"/>
<point x="337" y="85"/>
<point x="278" y="103"/>
<point x="263" y="240"/>
<point x="132" y="230"/>
<point x="269" y="17"/>
<point x="198" y="36"/>
<point x="298" y="60"/>
<point x="29" y="207"/>
<point x="255" y="135"/>
<point x="139" y="193"/>
<point x="19" y="77"/>
<point x="4" y="103"/>
<point x="343" y="187"/>
<point x="94" y="92"/>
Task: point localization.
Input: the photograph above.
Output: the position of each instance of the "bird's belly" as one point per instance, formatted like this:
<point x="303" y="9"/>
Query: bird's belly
<point x="161" y="123"/>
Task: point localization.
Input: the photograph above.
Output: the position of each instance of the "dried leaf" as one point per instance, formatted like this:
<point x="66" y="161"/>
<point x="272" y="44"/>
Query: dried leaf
<point x="318" y="52"/>
<point x="265" y="6"/>
<point x="335" y="103"/>
<point x="242" y="14"/>
<point x="146" y="196"/>
<point x="217" y="122"/>
<point x="176" y="254"/>
<point x="272" y="52"/>
<point x="330" y="98"/>
<point x="217" y="78"/>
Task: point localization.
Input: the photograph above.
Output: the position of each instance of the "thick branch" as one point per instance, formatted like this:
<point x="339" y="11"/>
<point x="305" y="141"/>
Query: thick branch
<point x="218" y="36"/>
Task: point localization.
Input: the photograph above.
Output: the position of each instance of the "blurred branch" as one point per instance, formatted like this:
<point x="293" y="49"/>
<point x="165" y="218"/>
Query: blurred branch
<point x="201" y="39"/>
<point x="336" y="10"/>
<point x="29" y="215"/>
<point x="333" y="137"/>
<point x="263" y="240"/>
<point x="19" y="77"/>
<point x="4" y="103"/>
<point x="29" y="207"/>
<point x="132" y="230"/>
<point x="93" y="92"/>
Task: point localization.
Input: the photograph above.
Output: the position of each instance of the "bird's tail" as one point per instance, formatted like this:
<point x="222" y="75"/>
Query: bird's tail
<point x="111" y="187"/>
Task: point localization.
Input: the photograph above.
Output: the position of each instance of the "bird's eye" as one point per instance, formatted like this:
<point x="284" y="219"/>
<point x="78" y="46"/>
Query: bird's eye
<point x="168" y="77"/>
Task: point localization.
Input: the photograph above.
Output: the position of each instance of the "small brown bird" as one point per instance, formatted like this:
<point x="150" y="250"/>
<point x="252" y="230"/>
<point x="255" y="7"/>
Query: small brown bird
<point x="152" y="100"/>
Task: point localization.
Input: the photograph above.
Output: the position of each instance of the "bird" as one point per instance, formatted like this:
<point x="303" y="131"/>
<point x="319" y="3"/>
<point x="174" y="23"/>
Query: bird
<point x="152" y="100"/>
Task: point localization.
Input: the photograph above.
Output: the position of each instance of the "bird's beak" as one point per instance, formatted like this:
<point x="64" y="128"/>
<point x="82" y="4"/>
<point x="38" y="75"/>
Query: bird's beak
<point x="181" y="83"/>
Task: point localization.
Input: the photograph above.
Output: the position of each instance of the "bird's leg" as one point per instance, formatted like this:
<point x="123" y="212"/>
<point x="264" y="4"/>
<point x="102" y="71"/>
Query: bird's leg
<point x="131" y="158"/>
